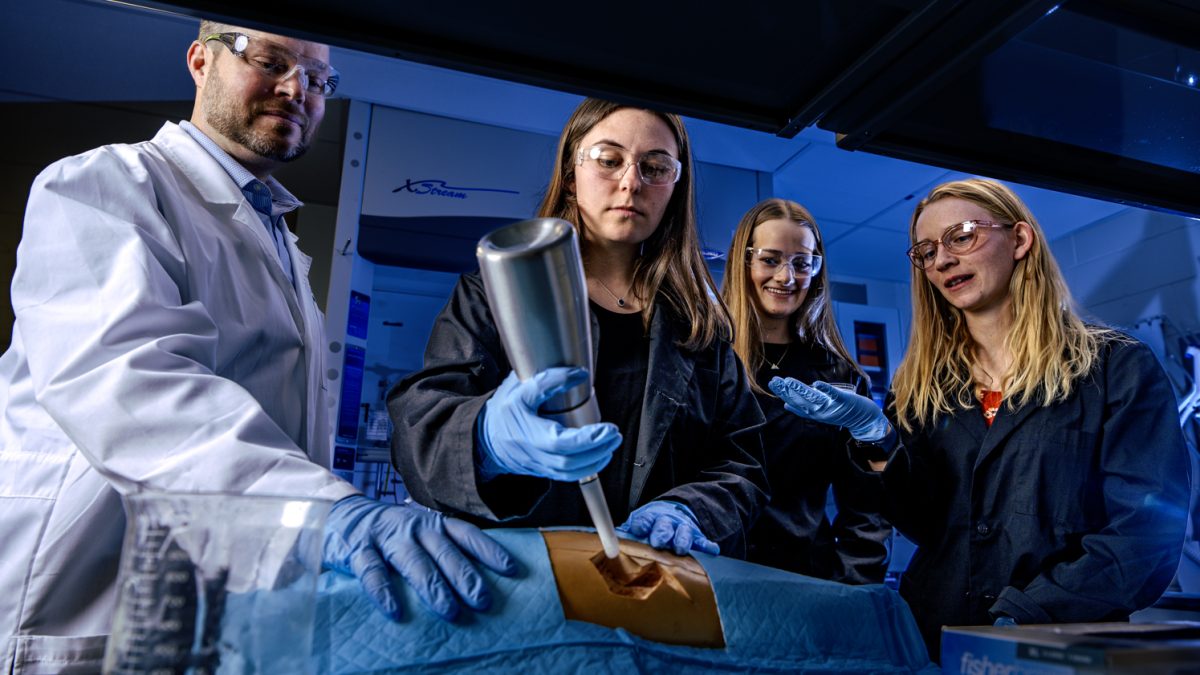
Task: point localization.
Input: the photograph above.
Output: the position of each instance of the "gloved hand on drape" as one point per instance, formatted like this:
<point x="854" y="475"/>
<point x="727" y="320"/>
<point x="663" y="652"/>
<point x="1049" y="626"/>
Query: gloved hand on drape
<point x="514" y="439"/>
<point x="669" y="525"/>
<point x="826" y="403"/>
<point x="425" y="547"/>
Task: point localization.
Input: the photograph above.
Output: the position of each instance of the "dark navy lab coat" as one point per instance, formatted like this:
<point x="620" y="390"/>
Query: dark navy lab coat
<point x="698" y="439"/>
<point x="1073" y="512"/>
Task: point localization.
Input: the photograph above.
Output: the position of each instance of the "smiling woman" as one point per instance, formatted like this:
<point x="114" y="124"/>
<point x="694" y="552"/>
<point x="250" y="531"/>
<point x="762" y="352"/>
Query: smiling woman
<point x="779" y="300"/>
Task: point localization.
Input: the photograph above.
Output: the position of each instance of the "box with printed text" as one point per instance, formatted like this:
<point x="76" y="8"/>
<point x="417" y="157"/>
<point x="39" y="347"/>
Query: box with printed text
<point x="1068" y="649"/>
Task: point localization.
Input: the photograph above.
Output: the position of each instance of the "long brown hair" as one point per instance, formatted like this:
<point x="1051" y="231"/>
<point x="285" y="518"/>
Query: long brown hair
<point x="813" y="322"/>
<point x="671" y="265"/>
<point x="1051" y="346"/>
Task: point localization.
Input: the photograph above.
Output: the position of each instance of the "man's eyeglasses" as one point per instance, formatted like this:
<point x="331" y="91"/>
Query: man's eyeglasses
<point x="654" y="168"/>
<point x="770" y="260"/>
<point x="958" y="239"/>
<point x="280" y="63"/>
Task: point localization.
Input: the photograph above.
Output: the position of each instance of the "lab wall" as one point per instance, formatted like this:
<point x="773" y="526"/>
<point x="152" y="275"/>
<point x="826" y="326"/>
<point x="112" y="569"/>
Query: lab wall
<point x="315" y="224"/>
<point x="723" y="194"/>
<point x="1135" y="265"/>
<point x="405" y="304"/>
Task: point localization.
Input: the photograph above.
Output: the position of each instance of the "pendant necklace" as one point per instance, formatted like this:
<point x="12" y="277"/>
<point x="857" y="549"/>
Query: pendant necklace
<point x="620" y="299"/>
<point x="775" y="365"/>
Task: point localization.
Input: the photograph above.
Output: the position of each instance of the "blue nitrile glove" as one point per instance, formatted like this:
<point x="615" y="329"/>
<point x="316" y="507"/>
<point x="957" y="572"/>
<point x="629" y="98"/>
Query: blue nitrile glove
<point x="669" y="525"/>
<point x="1005" y="621"/>
<point x="423" y="546"/>
<point x="513" y="439"/>
<point x="826" y="403"/>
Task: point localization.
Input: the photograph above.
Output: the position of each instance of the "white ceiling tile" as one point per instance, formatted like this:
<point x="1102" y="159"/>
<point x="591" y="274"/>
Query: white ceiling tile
<point x="741" y="148"/>
<point x="850" y="186"/>
<point x="895" y="217"/>
<point x="832" y="230"/>
<point x="870" y="253"/>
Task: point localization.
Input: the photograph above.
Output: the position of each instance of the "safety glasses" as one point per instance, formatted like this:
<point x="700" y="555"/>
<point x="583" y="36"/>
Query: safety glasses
<point x="959" y="239"/>
<point x="654" y="168"/>
<point x="278" y="63"/>
<point x="771" y="260"/>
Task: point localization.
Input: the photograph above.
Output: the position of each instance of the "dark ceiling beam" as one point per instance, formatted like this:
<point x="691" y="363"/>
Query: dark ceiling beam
<point x="340" y="24"/>
<point x="871" y="64"/>
<point x="1045" y="164"/>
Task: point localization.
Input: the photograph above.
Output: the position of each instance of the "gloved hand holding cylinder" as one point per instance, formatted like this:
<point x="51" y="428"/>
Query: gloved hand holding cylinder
<point x="533" y="275"/>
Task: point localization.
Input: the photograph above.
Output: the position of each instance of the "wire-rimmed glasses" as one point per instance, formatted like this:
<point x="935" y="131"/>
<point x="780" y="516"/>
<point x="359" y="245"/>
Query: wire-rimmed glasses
<point x="959" y="239"/>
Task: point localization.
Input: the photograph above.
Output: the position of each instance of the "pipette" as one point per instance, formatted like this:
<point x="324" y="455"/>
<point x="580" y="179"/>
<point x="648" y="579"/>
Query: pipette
<point x="601" y="517"/>
<point x="533" y="275"/>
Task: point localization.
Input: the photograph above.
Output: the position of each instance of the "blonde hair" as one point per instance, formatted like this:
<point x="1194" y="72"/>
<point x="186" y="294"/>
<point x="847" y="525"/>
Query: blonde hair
<point x="813" y="321"/>
<point x="671" y="264"/>
<point x="1051" y="346"/>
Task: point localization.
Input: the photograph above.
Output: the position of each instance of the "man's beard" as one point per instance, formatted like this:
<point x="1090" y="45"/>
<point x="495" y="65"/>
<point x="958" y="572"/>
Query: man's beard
<point x="235" y="122"/>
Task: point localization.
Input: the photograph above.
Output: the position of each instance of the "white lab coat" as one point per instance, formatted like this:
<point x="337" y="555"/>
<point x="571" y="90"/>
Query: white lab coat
<point x="157" y="344"/>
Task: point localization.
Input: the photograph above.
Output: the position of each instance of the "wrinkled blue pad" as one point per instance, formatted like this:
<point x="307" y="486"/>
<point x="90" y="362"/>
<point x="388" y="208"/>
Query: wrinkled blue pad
<point x="773" y="621"/>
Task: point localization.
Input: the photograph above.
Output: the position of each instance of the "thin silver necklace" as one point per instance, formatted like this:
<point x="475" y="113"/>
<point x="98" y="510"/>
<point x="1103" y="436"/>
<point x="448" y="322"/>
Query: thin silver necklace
<point x="775" y="365"/>
<point x="620" y="299"/>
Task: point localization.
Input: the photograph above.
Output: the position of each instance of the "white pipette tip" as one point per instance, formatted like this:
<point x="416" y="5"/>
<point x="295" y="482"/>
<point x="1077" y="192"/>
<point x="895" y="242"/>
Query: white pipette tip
<point x="597" y="507"/>
<point x="608" y="539"/>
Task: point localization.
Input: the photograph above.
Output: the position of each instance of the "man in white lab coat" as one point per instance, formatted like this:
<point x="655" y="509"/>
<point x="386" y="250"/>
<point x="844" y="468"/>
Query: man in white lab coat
<point x="166" y="338"/>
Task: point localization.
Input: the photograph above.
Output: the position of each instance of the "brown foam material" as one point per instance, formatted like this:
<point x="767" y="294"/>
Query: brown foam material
<point x="653" y="594"/>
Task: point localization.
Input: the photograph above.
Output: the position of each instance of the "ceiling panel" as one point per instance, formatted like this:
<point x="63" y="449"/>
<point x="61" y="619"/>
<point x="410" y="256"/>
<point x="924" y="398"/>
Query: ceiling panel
<point x="871" y="253"/>
<point x="742" y="148"/>
<point x="848" y="186"/>
<point x="897" y="216"/>
<point x="704" y="60"/>
<point x="832" y="229"/>
<point x="131" y="54"/>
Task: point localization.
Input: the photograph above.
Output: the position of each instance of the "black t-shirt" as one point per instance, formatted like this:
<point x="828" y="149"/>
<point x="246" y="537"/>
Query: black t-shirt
<point x="620" y="381"/>
<point x="804" y="361"/>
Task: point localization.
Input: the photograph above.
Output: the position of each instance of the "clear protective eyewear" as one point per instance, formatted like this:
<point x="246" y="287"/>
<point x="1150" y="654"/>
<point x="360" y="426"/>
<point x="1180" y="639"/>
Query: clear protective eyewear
<point x="280" y="63"/>
<point x="654" y="168"/>
<point x="770" y="260"/>
<point x="959" y="239"/>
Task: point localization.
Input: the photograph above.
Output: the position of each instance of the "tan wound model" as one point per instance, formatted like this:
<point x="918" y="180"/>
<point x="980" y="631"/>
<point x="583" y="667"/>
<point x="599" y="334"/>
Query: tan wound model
<point x="653" y="594"/>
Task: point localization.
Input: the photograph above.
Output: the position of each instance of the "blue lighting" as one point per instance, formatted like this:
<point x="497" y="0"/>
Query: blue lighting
<point x="1191" y="80"/>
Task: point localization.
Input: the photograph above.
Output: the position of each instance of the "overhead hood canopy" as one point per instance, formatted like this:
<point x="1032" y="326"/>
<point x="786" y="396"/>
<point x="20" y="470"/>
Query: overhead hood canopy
<point x="1094" y="97"/>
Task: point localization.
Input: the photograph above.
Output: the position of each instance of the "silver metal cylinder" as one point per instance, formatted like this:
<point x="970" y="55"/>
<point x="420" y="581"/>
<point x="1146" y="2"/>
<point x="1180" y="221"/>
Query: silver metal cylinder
<point x="533" y="275"/>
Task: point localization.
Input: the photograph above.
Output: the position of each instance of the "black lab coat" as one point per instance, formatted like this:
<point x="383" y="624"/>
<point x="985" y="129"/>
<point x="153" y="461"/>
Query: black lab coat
<point x="1073" y="512"/>
<point x="698" y="441"/>
<point x="804" y="459"/>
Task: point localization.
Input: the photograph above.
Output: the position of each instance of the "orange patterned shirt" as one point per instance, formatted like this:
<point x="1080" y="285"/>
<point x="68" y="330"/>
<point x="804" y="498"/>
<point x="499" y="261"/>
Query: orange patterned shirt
<point x="990" y="402"/>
